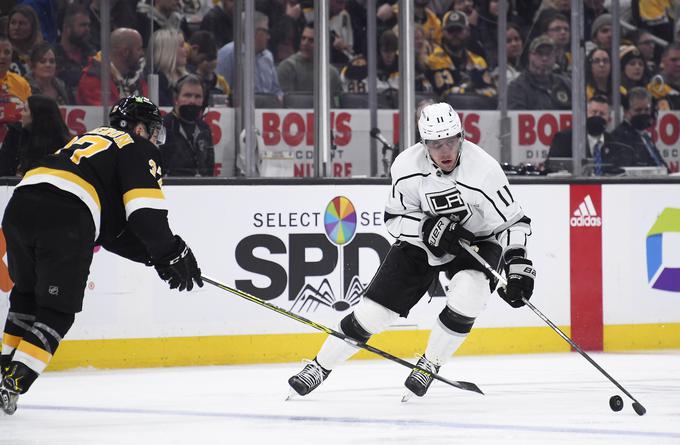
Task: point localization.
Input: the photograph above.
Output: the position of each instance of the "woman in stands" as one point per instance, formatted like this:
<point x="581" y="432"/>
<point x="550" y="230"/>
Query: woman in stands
<point x="42" y="131"/>
<point x="169" y="62"/>
<point x="43" y="76"/>
<point x="23" y="31"/>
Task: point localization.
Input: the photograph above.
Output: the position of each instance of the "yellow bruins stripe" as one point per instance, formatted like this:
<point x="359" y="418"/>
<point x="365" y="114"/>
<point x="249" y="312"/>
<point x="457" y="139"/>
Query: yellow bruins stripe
<point x="11" y="340"/>
<point x="142" y="193"/>
<point x="68" y="176"/>
<point x="34" y="351"/>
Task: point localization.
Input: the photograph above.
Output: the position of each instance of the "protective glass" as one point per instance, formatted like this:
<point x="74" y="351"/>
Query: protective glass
<point x="158" y="130"/>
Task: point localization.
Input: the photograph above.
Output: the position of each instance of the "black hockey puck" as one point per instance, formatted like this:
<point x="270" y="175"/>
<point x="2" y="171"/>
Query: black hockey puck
<point x="639" y="409"/>
<point x="616" y="403"/>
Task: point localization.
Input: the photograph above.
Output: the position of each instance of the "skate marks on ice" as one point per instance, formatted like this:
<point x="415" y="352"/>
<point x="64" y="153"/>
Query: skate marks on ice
<point x="554" y="399"/>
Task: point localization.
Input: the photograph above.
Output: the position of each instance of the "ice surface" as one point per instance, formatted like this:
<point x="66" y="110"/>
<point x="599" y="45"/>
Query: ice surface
<point x="549" y="399"/>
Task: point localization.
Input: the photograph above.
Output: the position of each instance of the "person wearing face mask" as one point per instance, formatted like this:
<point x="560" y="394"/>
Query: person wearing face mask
<point x="638" y="118"/>
<point x="188" y="148"/>
<point x="597" y="119"/>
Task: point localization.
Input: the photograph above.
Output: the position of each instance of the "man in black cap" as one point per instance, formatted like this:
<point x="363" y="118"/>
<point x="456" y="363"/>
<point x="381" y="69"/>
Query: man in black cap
<point x="452" y="68"/>
<point x="538" y="87"/>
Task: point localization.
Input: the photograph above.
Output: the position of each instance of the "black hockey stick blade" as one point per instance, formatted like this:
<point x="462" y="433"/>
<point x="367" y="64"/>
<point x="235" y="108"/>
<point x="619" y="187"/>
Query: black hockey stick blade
<point x="467" y="386"/>
<point x="553" y="326"/>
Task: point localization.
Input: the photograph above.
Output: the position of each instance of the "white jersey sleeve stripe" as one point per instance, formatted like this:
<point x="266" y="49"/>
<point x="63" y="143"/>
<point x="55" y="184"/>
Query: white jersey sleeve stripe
<point x="143" y="203"/>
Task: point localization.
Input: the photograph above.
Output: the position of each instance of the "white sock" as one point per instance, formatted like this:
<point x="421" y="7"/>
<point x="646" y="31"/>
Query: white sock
<point x="443" y="343"/>
<point x="334" y="352"/>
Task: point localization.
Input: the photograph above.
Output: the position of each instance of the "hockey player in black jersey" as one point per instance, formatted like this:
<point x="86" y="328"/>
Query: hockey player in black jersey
<point x="445" y="190"/>
<point x="102" y="188"/>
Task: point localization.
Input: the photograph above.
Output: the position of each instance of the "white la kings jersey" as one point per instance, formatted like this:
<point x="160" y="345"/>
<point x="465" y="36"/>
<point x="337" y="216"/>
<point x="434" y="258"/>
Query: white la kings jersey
<point x="476" y="194"/>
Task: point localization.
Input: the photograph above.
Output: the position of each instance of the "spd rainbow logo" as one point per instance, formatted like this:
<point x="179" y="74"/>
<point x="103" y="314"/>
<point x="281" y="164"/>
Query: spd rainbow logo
<point x="663" y="245"/>
<point x="340" y="220"/>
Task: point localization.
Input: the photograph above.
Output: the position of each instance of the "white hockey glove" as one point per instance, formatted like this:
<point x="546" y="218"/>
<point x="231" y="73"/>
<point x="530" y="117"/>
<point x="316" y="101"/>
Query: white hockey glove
<point x="441" y="235"/>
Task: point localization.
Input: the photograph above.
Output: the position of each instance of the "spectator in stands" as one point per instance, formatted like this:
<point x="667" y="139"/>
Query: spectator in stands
<point x="598" y="74"/>
<point x="638" y="117"/>
<point x="202" y="61"/>
<point x="287" y="22"/>
<point x="538" y="87"/>
<point x="169" y="62"/>
<point x="558" y="30"/>
<point x="46" y="11"/>
<point x="633" y="69"/>
<point x="546" y="10"/>
<point x="355" y="75"/>
<point x="645" y="42"/>
<point x="23" y="31"/>
<point x="592" y="9"/>
<point x="296" y="73"/>
<point x="342" y="34"/>
<point x="165" y="14"/>
<point x="488" y="29"/>
<point x="514" y="48"/>
<point x="188" y="148"/>
<point x="597" y="118"/>
<point x="665" y="87"/>
<point x="388" y="13"/>
<point x="123" y="15"/>
<point x="73" y="50"/>
<point x="423" y="49"/>
<point x="14" y="89"/>
<point x="43" y="77"/>
<point x="454" y="69"/>
<point x="266" y="79"/>
<point x="656" y="16"/>
<point x="359" y="15"/>
<point x="474" y="40"/>
<point x="601" y="33"/>
<point x="220" y="22"/>
<point x="40" y="132"/>
<point x="127" y="56"/>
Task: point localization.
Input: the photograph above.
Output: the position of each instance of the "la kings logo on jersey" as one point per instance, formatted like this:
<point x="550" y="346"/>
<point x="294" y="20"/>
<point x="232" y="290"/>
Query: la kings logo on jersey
<point x="448" y="202"/>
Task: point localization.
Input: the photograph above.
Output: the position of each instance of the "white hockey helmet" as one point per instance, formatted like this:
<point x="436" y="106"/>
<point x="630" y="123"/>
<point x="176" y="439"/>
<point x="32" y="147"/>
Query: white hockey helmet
<point x="439" y="121"/>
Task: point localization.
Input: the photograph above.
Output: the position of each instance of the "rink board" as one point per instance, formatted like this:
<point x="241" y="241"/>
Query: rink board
<point x="277" y="242"/>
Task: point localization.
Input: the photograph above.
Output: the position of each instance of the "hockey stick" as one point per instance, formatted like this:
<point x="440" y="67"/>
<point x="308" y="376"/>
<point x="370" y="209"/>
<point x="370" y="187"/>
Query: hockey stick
<point x="467" y="386"/>
<point x="637" y="406"/>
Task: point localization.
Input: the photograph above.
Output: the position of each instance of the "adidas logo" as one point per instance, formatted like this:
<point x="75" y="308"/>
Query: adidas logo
<point x="585" y="215"/>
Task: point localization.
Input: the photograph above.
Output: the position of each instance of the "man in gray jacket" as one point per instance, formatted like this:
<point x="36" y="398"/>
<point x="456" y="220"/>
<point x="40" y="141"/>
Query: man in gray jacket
<point x="538" y="88"/>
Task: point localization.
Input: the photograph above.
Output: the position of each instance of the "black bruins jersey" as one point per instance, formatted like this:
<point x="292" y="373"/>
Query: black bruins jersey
<point x="469" y="76"/>
<point x="112" y="172"/>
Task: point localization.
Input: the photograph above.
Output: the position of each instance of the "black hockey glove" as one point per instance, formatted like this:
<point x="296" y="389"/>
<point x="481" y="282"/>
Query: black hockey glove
<point x="441" y="235"/>
<point x="179" y="269"/>
<point x="520" y="274"/>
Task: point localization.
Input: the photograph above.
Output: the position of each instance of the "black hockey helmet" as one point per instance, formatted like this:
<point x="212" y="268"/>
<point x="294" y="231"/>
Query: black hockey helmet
<point x="131" y="110"/>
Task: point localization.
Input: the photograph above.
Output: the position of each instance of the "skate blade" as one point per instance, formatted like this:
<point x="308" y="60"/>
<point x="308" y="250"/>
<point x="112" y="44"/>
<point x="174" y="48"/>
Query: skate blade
<point x="292" y="395"/>
<point x="408" y="395"/>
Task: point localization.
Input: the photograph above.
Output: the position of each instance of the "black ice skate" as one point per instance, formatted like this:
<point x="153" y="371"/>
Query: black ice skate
<point x="418" y="381"/>
<point x="17" y="378"/>
<point x="307" y="380"/>
<point x="8" y="399"/>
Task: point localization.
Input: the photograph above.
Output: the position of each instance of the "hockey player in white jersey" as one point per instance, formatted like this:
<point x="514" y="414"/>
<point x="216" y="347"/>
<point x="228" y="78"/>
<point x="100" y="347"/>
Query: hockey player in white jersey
<point x="445" y="190"/>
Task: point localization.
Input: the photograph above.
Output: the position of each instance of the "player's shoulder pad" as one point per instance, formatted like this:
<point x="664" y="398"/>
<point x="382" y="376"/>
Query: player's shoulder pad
<point x="477" y="165"/>
<point x="410" y="162"/>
